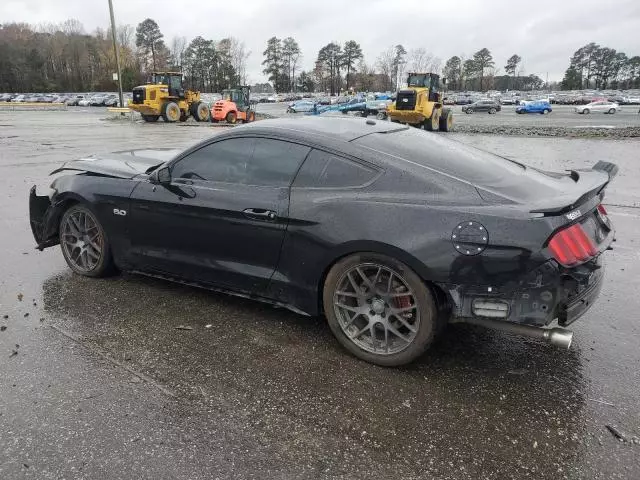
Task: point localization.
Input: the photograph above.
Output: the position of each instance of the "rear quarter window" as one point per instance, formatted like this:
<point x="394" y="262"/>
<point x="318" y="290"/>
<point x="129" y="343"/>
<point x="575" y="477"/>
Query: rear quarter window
<point x="326" y="170"/>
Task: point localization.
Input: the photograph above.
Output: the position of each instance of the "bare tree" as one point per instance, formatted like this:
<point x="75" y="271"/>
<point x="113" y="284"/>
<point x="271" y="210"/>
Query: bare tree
<point x="386" y="63"/>
<point x="178" y="46"/>
<point x="239" y="56"/>
<point x="420" y="60"/>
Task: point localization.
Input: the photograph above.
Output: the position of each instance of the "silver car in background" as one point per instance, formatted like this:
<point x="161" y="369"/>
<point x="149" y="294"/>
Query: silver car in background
<point x="598" y="107"/>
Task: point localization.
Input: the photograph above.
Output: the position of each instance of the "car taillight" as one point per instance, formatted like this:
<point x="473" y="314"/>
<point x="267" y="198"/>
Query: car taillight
<point x="602" y="210"/>
<point x="572" y="246"/>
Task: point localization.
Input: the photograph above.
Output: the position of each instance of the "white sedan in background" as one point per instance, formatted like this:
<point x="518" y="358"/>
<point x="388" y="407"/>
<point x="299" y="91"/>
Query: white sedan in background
<point x="599" y="107"/>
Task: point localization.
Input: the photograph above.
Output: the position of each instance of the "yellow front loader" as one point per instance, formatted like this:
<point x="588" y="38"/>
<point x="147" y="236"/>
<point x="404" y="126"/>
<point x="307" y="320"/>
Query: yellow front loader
<point x="164" y="96"/>
<point x="420" y="104"/>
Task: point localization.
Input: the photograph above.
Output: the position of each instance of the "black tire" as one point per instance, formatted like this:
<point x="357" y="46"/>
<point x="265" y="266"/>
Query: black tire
<point x="492" y="111"/>
<point x="431" y="124"/>
<point x="425" y="303"/>
<point x="231" y="117"/>
<point x="105" y="265"/>
<point x="150" y="118"/>
<point x="468" y="111"/>
<point x="171" y="112"/>
<point x="183" y="117"/>
<point x="612" y="111"/>
<point x="586" y="111"/>
<point x="199" y="111"/>
<point x="446" y="120"/>
<point x="545" y="111"/>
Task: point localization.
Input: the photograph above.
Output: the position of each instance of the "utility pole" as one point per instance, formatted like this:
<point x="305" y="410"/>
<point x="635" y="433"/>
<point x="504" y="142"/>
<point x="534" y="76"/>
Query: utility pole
<point x="115" y="49"/>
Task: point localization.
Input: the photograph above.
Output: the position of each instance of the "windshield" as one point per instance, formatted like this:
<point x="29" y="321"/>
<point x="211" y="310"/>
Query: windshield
<point x="419" y="81"/>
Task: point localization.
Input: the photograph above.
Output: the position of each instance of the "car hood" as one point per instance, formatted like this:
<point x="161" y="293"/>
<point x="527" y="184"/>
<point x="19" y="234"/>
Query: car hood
<point x="126" y="164"/>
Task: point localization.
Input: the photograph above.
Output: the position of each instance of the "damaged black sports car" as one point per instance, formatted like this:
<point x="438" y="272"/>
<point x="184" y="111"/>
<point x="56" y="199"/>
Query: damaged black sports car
<point x="388" y="231"/>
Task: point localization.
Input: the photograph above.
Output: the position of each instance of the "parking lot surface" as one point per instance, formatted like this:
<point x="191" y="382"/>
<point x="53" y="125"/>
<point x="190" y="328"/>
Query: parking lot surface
<point x="97" y="382"/>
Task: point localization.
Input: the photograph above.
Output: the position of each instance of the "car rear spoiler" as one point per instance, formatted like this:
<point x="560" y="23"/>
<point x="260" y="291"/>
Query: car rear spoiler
<point x="609" y="168"/>
<point x="594" y="185"/>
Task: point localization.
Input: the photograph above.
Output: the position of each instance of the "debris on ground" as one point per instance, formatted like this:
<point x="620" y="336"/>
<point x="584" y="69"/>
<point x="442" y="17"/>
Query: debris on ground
<point x="208" y="326"/>
<point x="183" y="327"/>
<point x="3" y="328"/>
<point x="20" y="296"/>
<point x="602" y="402"/>
<point x="616" y="433"/>
<point x="5" y="316"/>
<point x="13" y="353"/>
<point x="26" y="314"/>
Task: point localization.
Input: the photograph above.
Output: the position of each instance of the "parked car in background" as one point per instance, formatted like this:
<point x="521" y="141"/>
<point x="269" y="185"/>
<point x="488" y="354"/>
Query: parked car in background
<point x="598" y="107"/>
<point x="19" y="99"/>
<point x="111" y="101"/>
<point x="508" y="100"/>
<point x="542" y="107"/>
<point x="489" y="106"/>
<point x="84" y="102"/>
<point x="74" y="99"/>
<point x="300" y="106"/>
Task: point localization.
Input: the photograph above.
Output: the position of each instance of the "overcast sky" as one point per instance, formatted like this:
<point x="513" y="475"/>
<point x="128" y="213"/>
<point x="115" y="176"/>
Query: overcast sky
<point x="544" y="33"/>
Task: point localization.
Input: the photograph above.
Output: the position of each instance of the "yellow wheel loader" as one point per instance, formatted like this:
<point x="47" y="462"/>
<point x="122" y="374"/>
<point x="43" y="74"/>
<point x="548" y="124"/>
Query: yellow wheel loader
<point x="420" y="104"/>
<point x="164" y="96"/>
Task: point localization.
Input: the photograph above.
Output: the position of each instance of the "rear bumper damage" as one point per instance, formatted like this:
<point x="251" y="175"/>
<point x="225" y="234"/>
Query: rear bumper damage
<point x="549" y="293"/>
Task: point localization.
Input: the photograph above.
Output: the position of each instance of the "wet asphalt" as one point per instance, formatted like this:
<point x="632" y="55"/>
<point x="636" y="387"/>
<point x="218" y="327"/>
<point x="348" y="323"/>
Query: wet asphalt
<point x="97" y="381"/>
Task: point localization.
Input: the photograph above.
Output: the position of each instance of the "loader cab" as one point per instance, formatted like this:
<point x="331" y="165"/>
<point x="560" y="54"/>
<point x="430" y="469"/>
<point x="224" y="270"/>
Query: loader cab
<point x="430" y="81"/>
<point x="173" y="80"/>
<point x="239" y="96"/>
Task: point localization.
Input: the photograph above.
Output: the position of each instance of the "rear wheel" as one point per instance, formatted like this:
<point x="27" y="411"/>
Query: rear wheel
<point x="431" y="123"/>
<point x="492" y="111"/>
<point x="231" y="117"/>
<point x="586" y="111"/>
<point x="446" y="120"/>
<point x="150" y="118"/>
<point x="612" y="111"/>
<point x="379" y="309"/>
<point x="171" y="112"/>
<point x="199" y="111"/>
<point x="84" y="243"/>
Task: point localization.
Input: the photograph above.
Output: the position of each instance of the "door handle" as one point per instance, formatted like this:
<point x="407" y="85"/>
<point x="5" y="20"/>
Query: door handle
<point x="259" y="214"/>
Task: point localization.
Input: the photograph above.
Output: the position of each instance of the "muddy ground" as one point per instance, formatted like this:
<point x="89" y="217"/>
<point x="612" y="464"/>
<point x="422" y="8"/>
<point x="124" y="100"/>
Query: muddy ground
<point x="97" y="382"/>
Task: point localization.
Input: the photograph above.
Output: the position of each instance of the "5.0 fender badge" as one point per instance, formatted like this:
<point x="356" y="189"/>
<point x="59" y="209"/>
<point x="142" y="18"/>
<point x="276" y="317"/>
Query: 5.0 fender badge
<point x="117" y="211"/>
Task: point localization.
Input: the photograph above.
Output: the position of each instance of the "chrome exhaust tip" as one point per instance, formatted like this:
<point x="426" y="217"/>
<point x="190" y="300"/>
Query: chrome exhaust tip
<point x="559" y="337"/>
<point x="555" y="336"/>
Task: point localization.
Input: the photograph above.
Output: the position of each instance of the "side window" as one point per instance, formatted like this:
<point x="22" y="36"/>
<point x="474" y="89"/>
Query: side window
<point x="325" y="170"/>
<point x="224" y="161"/>
<point x="275" y="162"/>
<point x="247" y="161"/>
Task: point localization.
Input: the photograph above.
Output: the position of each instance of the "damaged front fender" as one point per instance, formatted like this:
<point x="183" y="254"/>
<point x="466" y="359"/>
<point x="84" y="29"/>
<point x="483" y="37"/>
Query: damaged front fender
<point x="43" y="217"/>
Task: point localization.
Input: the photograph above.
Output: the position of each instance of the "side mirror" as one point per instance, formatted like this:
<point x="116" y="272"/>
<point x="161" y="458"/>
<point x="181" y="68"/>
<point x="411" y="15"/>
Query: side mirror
<point x="161" y="176"/>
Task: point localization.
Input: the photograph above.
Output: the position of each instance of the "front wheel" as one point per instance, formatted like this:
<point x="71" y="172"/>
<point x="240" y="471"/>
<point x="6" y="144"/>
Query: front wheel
<point x="379" y="309"/>
<point x="612" y="111"/>
<point x="199" y="111"/>
<point x="492" y="111"/>
<point x="431" y="124"/>
<point x="446" y="120"/>
<point x="586" y="111"/>
<point x="231" y="118"/>
<point x="84" y="244"/>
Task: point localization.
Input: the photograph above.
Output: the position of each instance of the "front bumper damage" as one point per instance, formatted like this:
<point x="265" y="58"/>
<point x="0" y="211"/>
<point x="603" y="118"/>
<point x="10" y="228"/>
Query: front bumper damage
<point x="42" y="217"/>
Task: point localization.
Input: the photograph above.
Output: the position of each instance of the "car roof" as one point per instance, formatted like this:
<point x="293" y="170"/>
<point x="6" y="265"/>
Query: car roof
<point x="345" y="129"/>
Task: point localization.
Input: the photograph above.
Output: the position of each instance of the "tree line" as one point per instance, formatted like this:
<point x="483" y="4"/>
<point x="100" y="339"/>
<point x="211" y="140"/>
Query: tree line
<point x="64" y="58"/>
<point x="593" y="66"/>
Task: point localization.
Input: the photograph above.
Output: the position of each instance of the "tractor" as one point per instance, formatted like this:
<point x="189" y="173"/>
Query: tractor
<point x="234" y="106"/>
<point x="164" y="96"/>
<point x="420" y="104"/>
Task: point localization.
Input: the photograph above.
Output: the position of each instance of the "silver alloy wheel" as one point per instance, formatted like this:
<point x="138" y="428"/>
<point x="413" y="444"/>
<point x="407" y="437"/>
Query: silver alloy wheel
<point x="376" y="309"/>
<point x="82" y="240"/>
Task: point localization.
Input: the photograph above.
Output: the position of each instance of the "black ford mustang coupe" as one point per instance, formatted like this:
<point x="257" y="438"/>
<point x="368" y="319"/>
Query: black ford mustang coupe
<point x="388" y="231"/>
